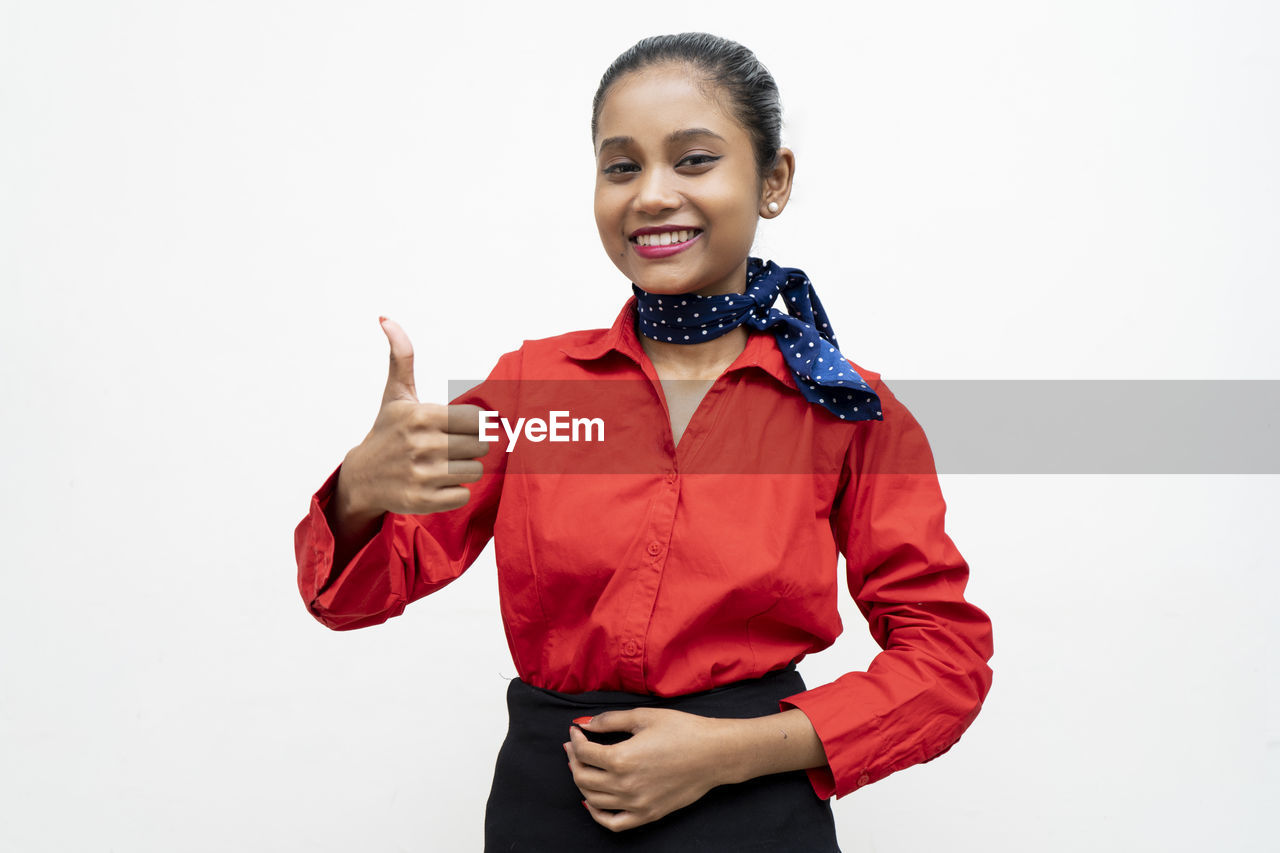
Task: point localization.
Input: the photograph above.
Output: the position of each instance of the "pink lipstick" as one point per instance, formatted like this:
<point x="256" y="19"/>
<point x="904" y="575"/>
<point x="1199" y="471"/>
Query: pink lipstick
<point x="663" y="241"/>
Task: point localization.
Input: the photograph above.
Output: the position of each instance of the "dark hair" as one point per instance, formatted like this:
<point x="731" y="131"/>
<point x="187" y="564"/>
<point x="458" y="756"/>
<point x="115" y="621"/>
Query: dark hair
<point x="728" y="65"/>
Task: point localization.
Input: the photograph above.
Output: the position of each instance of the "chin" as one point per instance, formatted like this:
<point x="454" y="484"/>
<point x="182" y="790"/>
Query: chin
<point x="671" y="283"/>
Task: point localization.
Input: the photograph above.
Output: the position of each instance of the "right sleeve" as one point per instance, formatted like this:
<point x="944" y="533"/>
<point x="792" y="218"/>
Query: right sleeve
<point x="921" y="693"/>
<point x="410" y="556"/>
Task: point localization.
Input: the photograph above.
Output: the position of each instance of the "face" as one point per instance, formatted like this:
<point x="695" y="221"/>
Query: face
<point x="677" y="193"/>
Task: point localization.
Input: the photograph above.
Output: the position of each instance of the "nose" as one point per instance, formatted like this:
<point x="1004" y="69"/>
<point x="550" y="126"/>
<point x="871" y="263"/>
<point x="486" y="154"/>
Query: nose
<point x="656" y="192"/>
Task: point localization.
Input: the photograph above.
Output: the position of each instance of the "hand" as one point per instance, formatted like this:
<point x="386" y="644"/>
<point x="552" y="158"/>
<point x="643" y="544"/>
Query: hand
<point x="417" y="455"/>
<point x="670" y="761"/>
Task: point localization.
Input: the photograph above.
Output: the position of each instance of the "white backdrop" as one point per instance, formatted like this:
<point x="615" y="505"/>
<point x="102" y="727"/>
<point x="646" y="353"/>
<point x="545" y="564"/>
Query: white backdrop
<point x="205" y="206"/>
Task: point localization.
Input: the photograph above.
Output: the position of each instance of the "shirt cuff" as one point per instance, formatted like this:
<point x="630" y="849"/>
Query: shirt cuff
<point x="339" y="604"/>
<point x="851" y="747"/>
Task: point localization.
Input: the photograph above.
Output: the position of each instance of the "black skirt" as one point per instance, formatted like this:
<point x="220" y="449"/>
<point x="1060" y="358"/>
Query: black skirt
<point x="534" y="806"/>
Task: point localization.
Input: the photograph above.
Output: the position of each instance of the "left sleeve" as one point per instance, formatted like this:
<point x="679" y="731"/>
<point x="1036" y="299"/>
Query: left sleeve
<point x="409" y="556"/>
<point x="919" y="695"/>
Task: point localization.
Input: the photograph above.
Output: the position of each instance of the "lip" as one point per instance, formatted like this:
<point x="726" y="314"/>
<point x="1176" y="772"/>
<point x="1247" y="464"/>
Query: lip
<point x="654" y="252"/>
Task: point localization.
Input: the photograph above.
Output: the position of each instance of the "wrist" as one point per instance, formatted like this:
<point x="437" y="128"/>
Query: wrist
<point x="732" y="762"/>
<point x="777" y="743"/>
<point x="349" y="507"/>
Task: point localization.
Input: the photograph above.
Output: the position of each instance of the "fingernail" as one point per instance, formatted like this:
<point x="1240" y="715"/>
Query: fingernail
<point x="381" y="319"/>
<point x="582" y="721"/>
<point x="585" y="806"/>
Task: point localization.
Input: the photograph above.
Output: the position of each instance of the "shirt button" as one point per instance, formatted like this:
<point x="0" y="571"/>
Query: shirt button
<point x="671" y="477"/>
<point x="864" y="779"/>
<point x="630" y="648"/>
<point x="655" y="549"/>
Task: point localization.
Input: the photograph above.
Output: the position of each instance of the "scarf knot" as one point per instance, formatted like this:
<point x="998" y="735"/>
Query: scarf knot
<point x="804" y="334"/>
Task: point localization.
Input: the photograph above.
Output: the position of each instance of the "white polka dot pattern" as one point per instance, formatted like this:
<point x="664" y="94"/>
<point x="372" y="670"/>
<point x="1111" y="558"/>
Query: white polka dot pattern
<point x="810" y="344"/>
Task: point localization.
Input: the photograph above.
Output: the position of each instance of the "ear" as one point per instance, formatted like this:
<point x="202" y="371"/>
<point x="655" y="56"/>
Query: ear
<point x="776" y="187"/>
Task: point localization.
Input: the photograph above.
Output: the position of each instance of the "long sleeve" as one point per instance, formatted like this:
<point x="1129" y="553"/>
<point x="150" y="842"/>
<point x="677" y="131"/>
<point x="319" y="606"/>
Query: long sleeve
<point x="920" y="694"/>
<point x="410" y="556"/>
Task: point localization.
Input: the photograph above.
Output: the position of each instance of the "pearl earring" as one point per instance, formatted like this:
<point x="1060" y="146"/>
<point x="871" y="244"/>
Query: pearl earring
<point x="773" y="207"/>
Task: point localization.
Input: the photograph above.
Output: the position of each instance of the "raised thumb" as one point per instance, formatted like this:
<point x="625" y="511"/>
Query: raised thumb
<point x="400" y="374"/>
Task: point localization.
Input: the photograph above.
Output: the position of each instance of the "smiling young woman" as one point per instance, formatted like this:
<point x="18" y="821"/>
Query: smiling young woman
<point x="656" y="609"/>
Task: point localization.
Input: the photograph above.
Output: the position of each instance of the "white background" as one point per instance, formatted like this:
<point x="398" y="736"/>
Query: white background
<point x="206" y="205"/>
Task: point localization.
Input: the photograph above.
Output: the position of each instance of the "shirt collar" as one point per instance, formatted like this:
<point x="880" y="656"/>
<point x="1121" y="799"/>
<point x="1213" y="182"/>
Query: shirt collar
<point x="761" y="350"/>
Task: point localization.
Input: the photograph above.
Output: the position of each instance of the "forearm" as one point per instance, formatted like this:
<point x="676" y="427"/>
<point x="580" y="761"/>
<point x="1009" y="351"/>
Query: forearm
<point x="777" y="743"/>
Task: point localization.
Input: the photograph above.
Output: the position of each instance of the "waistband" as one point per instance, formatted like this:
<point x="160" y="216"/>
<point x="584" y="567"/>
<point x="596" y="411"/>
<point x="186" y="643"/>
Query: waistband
<point x="751" y="697"/>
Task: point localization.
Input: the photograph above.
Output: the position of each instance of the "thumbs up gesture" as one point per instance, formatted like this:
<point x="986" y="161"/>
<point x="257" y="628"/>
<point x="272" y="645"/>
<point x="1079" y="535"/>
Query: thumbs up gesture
<point x="417" y="455"/>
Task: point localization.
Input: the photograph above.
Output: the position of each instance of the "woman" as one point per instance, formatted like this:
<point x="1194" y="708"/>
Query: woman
<point x="661" y="576"/>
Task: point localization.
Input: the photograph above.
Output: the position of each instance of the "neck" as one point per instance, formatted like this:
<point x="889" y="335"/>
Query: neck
<point x="668" y="326"/>
<point x="695" y="361"/>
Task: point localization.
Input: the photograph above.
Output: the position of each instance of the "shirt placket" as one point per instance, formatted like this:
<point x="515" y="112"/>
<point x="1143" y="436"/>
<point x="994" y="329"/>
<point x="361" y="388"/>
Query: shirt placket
<point x="650" y="564"/>
<point x="656" y="541"/>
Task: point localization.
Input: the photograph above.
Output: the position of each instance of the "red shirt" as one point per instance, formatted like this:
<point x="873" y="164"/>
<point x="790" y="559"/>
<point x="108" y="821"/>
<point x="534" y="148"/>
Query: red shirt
<point x="635" y="564"/>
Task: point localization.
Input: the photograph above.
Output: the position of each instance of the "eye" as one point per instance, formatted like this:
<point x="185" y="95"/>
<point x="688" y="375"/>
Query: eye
<point x="620" y="168"/>
<point x="697" y="160"/>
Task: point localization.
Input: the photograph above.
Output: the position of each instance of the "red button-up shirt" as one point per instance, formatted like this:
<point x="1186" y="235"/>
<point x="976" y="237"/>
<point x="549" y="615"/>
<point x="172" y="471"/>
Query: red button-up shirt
<point x="633" y="563"/>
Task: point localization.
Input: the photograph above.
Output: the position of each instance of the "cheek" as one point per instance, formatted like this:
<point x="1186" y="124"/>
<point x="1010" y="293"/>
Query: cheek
<point x="740" y="204"/>
<point x="606" y="214"/>
<point x="607" y="226"/>
<point x="602" y="227"/>
<point x="745" y="216"/>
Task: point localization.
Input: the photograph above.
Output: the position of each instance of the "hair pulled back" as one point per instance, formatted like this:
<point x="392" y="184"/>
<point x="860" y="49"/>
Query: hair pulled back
<point x="752" y="92"/>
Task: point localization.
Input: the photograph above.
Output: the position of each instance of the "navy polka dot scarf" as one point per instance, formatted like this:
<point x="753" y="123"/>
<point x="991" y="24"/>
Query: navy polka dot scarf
<point x="823" y="375"/>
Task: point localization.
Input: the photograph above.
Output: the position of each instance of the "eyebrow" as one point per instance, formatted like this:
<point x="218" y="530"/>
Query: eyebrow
<point x="673" y="137"/>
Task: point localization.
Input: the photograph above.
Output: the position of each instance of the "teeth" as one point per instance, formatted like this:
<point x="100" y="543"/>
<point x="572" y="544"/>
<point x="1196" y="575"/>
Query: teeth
<point x="666" y="238"/>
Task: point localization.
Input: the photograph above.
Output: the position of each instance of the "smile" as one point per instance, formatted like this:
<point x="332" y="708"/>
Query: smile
<point x="665" y="238"/>
<point x="656" y="243"/>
